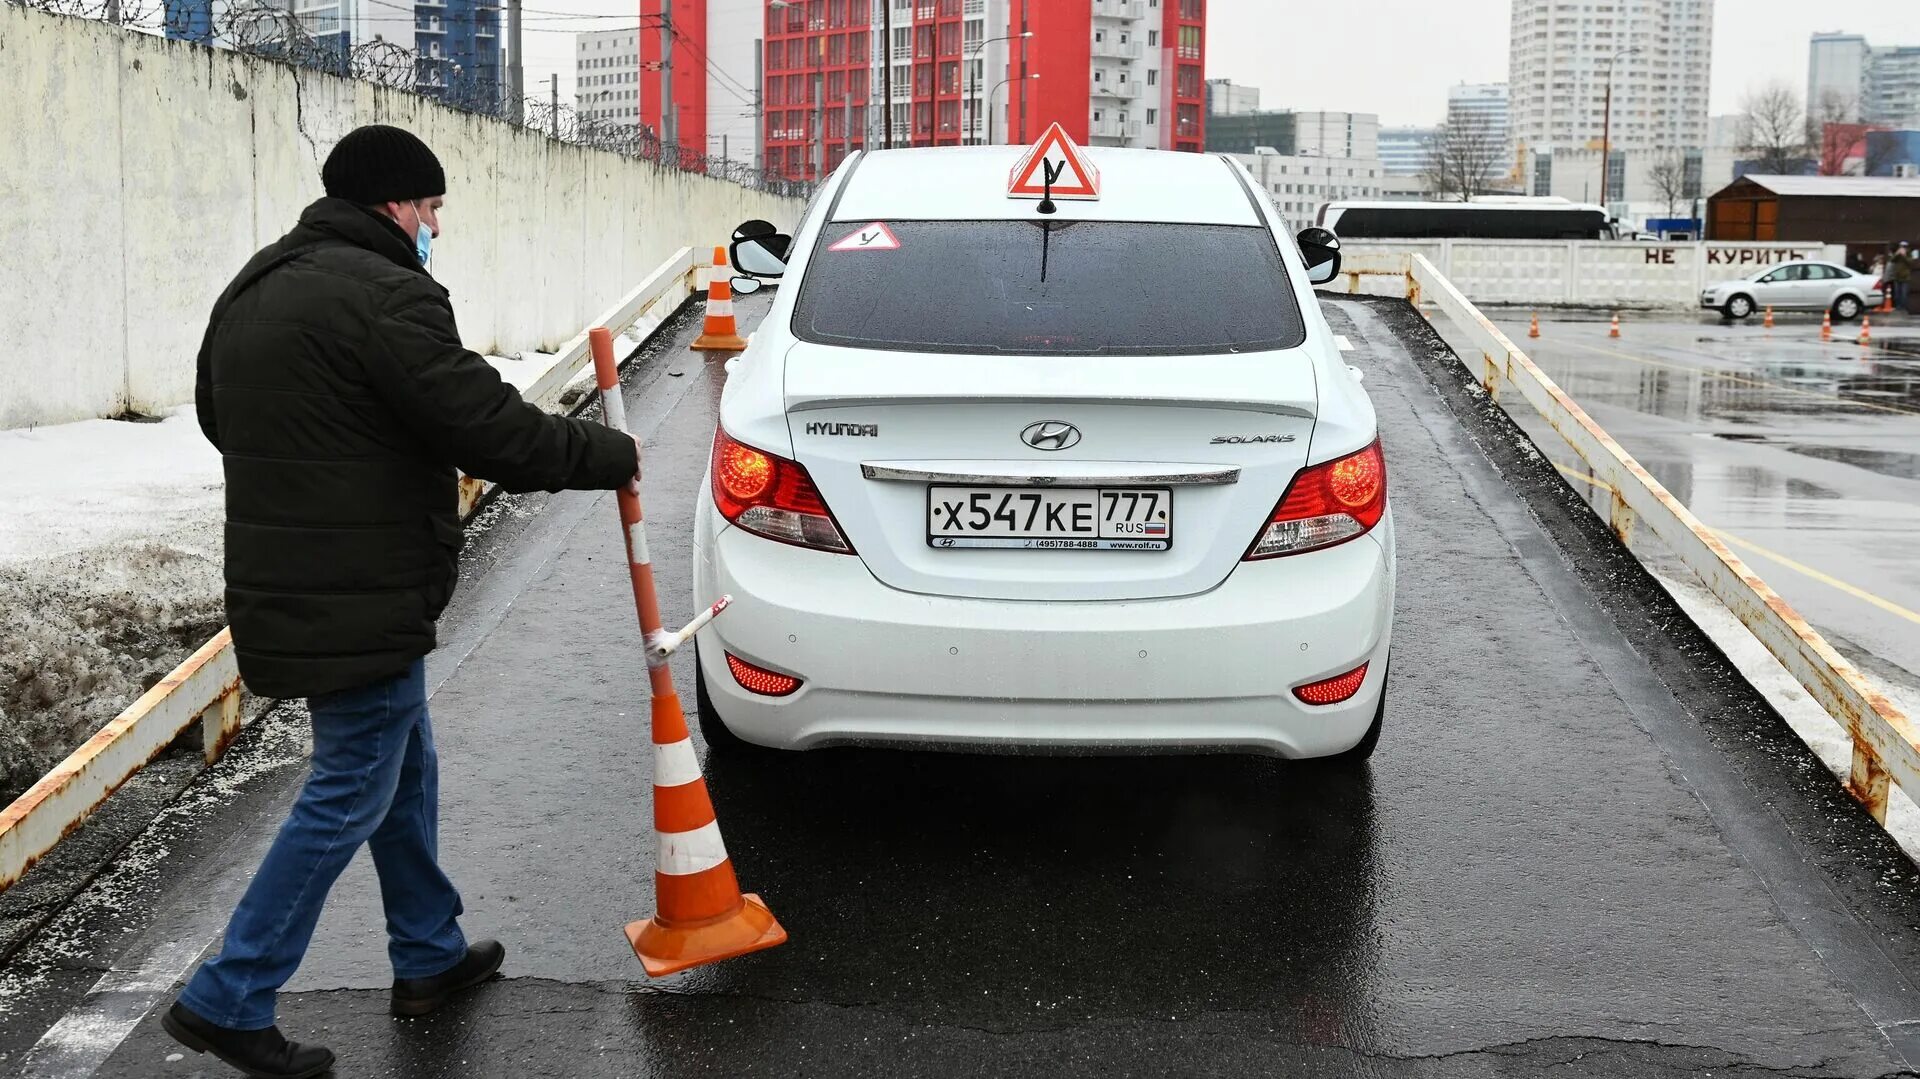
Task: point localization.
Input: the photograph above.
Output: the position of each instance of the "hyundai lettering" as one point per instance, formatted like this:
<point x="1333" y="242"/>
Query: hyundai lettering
<point x="1045" y="450"/>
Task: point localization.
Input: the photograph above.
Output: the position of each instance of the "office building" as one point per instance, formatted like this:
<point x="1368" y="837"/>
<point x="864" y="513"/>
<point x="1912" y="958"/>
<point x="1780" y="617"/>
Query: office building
<point x="1852" y="81"/>
<point x="606" y="81"/>
<point x="1112" y="72"/>
<point x="1404" y="151"/>
<point x="1300" y="183"/>
<point x="1246" y="132"/>
<point x="1286" y="132"/>
<point x="1337" y="134"/>
<point x="1226" y="99"/>
<point x="1560" y="55"/>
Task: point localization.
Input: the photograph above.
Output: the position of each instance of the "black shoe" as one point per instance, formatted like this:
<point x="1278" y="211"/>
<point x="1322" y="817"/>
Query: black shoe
<point x="418" y="996"/>
<point x="262" y="1054"/>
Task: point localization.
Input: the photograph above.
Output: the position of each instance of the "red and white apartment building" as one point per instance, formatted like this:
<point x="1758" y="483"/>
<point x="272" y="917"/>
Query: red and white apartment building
<point x="797" y="86"/>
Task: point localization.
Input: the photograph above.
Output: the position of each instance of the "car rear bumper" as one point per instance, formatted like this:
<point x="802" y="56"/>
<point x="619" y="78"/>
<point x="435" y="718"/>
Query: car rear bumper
<point x="1208" y="672"/>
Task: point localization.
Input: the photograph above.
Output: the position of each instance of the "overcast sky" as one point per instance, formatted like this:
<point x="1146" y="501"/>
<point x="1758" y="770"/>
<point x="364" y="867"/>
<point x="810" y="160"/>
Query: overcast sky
<point x="1392" y="57"/>
<point x="1397" y="57"/>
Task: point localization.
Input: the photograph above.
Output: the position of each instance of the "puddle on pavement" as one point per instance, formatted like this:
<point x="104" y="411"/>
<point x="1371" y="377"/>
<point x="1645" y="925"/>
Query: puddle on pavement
<point x="1904" y="466"/>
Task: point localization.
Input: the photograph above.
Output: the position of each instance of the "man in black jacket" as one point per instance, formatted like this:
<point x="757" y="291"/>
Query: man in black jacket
<point x="333" y="382"/>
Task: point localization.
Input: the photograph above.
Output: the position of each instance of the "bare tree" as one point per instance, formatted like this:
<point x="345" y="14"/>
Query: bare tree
<point x="1773" y="130"/>
<point x="1462" y="161"/>
<point x="1668" y="174"/>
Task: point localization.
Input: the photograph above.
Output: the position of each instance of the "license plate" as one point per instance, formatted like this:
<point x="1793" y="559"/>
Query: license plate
<point x="1051" y="518"/>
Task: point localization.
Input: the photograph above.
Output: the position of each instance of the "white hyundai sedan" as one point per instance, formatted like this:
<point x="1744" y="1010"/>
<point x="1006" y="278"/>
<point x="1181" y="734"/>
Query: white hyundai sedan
<point x="1097" y="479"/>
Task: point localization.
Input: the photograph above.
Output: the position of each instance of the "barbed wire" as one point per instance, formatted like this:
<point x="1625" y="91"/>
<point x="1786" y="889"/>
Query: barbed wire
<point x="318" y="43"/>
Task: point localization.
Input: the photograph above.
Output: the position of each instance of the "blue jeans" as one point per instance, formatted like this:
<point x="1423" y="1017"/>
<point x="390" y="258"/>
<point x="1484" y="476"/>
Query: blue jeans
<point x="375" y="780"/>
<point x="1900" y="296"/>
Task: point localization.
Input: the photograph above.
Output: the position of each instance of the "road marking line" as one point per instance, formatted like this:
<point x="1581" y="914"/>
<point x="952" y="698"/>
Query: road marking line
<point x="1827" y="579"/>
<point x="1340" y="341"/>
<point x="1737" y="379"/>
<point x="83" y="1039"/>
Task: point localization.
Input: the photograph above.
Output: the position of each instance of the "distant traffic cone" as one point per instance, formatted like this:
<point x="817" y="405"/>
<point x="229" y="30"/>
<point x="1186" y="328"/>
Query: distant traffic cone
<point x="1886" y="303"/>
<point x="720" y="333"/>
<point x="1615" y="331"/>
<point x="703" y="916"/>
<point x="1866" y="330"/>
<point x="1769" y="320"/>
<point x="1534" y="330"/>
<point x="1826" y="326"/>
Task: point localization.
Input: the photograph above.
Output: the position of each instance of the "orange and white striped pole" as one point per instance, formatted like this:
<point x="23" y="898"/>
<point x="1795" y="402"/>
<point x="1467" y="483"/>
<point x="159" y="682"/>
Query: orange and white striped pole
<point x="703" y="917"/>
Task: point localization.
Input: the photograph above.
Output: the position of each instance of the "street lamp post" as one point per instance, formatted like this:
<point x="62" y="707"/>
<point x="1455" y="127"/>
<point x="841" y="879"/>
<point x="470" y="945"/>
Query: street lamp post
<point x="990" y="96"/>
<point x="973" y="121"/>
<point x="1606" y="124"/>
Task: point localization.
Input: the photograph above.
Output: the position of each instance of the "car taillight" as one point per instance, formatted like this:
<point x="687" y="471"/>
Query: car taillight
<point x="760" y="680"/>
<point x="1327" y="691"/>
<point x="772" y="497"/>
<point x="1327" y="504"/>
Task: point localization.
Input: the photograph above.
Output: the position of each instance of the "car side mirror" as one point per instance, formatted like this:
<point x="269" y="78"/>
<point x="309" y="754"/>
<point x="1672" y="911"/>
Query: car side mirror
<point x="1320" y="249"/>
<point x="754" y="229"/>
<point x="747" y="286"/>
<point x="761" y="256"/>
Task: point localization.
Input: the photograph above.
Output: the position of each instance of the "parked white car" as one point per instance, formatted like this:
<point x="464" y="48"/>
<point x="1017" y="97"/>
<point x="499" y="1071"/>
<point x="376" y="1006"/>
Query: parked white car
<point x="1803" y="286"/>
<point x="991" y="477"/>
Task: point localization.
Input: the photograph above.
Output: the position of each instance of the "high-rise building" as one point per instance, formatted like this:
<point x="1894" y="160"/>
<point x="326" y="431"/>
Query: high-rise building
<point x="1481" y="108"/>
<point x="1560" y="55"/>
<point x="812" y="72"/>
<point x="457" y="41"/>
<point x="606" y="81"/>
<point x="1851" y="81"/>
<point x="1225" y="98"/>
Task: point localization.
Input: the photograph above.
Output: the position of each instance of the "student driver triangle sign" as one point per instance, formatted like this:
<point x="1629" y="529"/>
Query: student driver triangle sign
<point x="875" y="237"/>
<point x="1054" y="157"/>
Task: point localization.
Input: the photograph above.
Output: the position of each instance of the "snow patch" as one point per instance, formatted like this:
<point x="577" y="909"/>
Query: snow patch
<point x="110" y="575"/>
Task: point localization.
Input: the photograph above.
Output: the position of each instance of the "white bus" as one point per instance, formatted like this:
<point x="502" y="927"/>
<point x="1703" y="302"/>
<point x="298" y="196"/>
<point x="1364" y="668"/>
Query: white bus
<point x="1481" y="219"/>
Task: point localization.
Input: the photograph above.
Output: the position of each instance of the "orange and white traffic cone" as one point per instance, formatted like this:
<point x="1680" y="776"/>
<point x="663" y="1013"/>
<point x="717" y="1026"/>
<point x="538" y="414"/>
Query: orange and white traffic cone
<point x="721" y="333"/>
<point x="1769" y="320"/>
<point x="1886" y="302"/>
<point x="713" y="271"/>
<point x="703" y="916"/>
<point x="1615" y="330"/>
<point x="1534" y="329"/>
<point x="1866" y="330"/>
<point x="1826" y="326"/>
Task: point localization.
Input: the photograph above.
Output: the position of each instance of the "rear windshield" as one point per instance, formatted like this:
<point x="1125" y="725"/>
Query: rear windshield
<point x="1049" y="288"/>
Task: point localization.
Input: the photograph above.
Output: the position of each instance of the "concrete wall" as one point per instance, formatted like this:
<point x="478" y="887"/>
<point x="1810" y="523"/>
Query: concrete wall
<point x="1594" y="273"/>
<point x="137" y="175"/>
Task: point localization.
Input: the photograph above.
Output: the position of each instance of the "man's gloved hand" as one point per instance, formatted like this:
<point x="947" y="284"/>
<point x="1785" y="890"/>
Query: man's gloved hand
<point x="633" y="485"/>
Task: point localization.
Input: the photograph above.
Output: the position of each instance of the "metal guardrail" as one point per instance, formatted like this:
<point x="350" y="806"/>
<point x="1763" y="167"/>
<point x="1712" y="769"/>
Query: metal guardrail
<point x="205" y="690"/>
<point x="651" y="303"/>
<point x="1885" y="745"/>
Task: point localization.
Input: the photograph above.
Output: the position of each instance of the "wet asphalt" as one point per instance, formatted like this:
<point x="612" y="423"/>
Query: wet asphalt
<point x="1806" y="452"/>
<point x="1577" y="852"/>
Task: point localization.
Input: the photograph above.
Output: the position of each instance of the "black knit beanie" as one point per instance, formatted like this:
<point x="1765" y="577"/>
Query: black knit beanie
<point x="377" y="164"/>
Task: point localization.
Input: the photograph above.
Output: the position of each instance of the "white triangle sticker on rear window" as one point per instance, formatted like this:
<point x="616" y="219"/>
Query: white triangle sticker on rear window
<point x="875" y="237"/>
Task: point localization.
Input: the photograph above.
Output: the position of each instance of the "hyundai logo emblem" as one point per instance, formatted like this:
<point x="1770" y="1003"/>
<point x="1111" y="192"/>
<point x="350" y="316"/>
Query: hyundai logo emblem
<point x="1051" y="435"/>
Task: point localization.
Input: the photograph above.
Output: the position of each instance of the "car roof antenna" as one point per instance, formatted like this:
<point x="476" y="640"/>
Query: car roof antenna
<point x="1049" y="174"/>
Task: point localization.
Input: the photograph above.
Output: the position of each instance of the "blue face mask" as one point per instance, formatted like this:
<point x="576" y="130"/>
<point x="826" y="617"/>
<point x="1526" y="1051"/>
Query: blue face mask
<point x="422" y="237"/>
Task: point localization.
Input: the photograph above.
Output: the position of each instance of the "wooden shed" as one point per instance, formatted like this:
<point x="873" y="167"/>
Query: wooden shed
<point x="1855" y="210"/>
